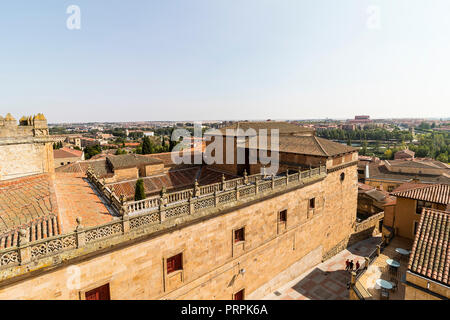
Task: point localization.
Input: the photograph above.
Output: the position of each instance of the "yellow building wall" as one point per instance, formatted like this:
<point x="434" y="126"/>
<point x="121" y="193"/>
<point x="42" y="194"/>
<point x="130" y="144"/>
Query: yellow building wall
<point x="211" y="262"/>
<point x="412" y="293"/>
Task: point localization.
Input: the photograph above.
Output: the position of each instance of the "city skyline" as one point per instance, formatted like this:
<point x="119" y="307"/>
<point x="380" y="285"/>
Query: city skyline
<point x="157" y="61"/>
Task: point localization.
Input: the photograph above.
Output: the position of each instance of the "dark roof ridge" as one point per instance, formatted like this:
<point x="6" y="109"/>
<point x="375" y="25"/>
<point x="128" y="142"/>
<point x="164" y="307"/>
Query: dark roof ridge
<point x="320" y="145"/>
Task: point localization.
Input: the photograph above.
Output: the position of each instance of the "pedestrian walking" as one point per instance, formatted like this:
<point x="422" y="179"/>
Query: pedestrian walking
<point x="357" y="265"/>
<point x="351" y="265"/>
<point x="347" y="264"/>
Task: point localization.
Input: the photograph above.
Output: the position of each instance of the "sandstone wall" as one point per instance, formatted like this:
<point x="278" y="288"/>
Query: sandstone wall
<point x="412" y="293"/>
<point x="211" y="261"/>
<point x="17" y="160"/>
<point x="126" y="174"/>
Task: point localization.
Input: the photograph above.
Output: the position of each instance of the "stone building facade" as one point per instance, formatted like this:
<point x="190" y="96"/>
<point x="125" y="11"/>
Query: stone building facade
<point x="225" y="240"/>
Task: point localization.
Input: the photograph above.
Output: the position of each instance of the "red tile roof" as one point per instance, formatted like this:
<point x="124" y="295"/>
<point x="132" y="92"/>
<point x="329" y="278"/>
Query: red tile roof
<point x="172" y="180"/>
<point x="76" y="198"/>
<point x="430" y="255"/>
<point x="437" y="193"/>
<point x="407" y="151"/>
<point x="67" y="153"/>
<point x="27" y="202"/>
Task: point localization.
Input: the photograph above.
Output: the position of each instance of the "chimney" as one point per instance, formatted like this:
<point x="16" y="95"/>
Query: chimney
<point x="367" y="176"/>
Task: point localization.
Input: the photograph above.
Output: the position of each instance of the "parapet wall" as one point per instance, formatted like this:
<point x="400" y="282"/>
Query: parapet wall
<point x="148" y="216"/>
<point x="27" y="127"/>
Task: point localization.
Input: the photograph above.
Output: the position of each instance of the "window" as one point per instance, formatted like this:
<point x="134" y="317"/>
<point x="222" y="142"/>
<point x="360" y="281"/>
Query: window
<point x="422" y="204"/>
<point x="416" y="225"/>
<point x="390" y="188"/>
<point x="312" y="203"/>
<point x="175" y="263"/>
<point x="342" y="176"/>
<point x="239" y="235"/>
<point x="282" y="216"/>
<point x="239" y="295"/>
<point x="100" y="293"/>
<point x="62" y="163"/>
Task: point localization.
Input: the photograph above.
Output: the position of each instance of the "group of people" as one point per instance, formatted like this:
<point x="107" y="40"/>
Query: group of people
<point x="349" y="265"/>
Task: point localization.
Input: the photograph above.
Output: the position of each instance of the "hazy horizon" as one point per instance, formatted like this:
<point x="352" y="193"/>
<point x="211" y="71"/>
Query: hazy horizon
<point x="225" y="59"/>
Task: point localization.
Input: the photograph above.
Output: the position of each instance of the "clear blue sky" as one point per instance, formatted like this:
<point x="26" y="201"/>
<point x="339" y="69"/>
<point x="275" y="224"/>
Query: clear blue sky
<point x="224" y="59"/>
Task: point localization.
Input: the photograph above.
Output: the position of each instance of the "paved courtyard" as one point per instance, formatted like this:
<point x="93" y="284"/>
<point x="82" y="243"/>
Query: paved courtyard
<point x="328" y="280"/>
<point x="379" y="269"/>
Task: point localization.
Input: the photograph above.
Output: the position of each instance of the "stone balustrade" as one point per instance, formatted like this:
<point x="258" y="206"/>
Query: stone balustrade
<point x="154" y="211"/>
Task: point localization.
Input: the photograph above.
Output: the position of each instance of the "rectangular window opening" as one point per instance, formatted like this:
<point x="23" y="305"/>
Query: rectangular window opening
<point x="175" y="263"/>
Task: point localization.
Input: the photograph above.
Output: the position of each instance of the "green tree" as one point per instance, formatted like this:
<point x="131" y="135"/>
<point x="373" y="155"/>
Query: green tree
<point x="120" y="151"/>
<point x="388" y="154"/>
<point x="443" y="157"/>
<point x="139" y="193"/>
<point x="147" y="147"/>
<point x="91" y="151"/>
<point x="364" y="148"/>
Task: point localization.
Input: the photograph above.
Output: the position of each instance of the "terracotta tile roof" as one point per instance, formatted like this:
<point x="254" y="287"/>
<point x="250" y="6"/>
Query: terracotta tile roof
<point x="437" y="193"/>
<point x="76" y="198"/>
<point x="410" y="186"/>
<point x="378" y="171"/>
<point x="166" y="158"/>
<point x="406" y="151"/>
<point x="172" y="180"/>
<point x="132" y="144"/>
<point x="379" y="195"/>
<point x="100" y="168"/>
<point x="430" y="255"/>
<point x="309" y="145"/>
<point x="26" y="199"/>
<point x="130" y="161"/>
<point x="67" y="153"/>
<point x="418" y="163"/>
<point x="27" y="202"/>
<point x="99" y="156"/>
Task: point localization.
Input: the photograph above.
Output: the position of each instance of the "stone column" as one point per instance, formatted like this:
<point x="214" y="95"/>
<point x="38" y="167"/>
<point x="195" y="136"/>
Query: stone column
<point x="80" y="234"/>
<point x="216" y="198"/>
<point x="353" y="279"/>
<point x="125" y="222"/>
<point x="366" y="262"/>
<point x="223" y="182"/>
<point x="162" y="209"/>
<point x="191" y="205"/>
<point x="378" y="250"/>
<point x="273" y="181"/>
<point x="237" y="192"/>
<point x="24" y="252"/>
<point x="256" y="186"/>
<point x="196" y="189"/>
